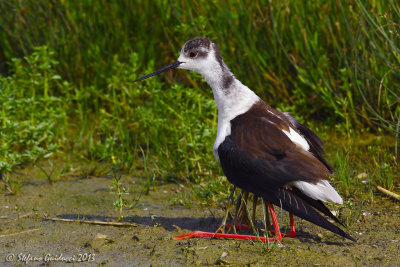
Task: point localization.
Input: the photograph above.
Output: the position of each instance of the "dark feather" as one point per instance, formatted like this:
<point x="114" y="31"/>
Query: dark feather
<point x="258" y="133"/>
<point x="245" y="171"/>
<point x="260" y="158"/>
<point x="290" y="202"/>
<point x="317" y="204"/>
<point x="252" y="176"/>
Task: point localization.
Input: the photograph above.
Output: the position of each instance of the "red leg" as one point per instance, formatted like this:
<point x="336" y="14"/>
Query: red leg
<point x="278" y="235"/>
<point x="292" y="230"/>
<point x="208" y="234"/>
<point x="229" y="236"/>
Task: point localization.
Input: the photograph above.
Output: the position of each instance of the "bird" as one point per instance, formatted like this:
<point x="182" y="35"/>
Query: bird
<point x="260" y="149"/>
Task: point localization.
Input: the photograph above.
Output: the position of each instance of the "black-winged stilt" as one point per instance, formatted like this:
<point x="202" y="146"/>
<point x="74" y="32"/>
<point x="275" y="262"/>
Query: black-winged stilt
<point x="262" y="150"/>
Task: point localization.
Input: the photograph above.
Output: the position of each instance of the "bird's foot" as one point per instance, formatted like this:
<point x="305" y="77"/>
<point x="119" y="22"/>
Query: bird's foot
<point x="228" y="236"/>
<point x="292" y="234"/>
<point x="195" y="234"/>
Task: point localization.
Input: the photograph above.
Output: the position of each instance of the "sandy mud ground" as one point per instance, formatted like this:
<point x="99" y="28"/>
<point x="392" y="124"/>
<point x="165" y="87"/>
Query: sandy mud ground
<point x="27" y="237"/>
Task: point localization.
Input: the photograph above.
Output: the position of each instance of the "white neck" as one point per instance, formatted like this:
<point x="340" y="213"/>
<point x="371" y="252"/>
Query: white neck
<point x="231" y="101"/>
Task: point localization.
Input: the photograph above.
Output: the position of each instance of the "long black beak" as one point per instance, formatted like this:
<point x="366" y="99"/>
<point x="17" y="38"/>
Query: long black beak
<point x="171" y="66"/>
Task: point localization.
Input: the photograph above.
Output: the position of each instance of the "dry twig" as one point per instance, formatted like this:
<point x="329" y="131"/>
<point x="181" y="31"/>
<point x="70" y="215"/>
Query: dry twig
<point x="97" y="222"/>
<point x="23" y="216"/>
<point x="388" y="193"/>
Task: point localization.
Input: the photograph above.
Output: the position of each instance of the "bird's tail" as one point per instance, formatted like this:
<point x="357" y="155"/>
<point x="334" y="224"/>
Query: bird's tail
<point x="294" y="204"/>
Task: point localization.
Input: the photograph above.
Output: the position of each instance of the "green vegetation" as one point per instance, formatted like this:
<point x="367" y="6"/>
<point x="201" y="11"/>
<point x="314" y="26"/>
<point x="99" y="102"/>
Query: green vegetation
<point x="67" y="88"/>
<point x="120" y="191"/>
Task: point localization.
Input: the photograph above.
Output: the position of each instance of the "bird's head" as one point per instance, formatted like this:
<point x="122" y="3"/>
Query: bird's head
<point x="199" y="55"/>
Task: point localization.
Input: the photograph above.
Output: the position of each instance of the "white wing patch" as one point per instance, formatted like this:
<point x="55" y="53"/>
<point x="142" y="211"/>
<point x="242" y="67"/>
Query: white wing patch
<point x="297" y="138"/>
<point x="321" y="191"/>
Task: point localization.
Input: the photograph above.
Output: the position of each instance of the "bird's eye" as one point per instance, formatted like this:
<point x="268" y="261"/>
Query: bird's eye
<point x="193" y="54"/>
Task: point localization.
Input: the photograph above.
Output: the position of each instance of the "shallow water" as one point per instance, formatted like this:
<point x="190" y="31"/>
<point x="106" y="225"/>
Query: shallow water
<point x="37" y="240"/>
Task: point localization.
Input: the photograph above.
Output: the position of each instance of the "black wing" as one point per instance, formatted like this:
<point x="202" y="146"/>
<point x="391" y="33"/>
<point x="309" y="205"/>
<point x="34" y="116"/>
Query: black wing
<point x="252" y="176"/>
<point x="259" y="138"/>
<point x="260" y="158"/>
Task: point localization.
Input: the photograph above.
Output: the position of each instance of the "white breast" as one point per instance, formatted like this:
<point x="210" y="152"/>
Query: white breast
<point x="239" y="101"/>
<point x="224" y="129"/>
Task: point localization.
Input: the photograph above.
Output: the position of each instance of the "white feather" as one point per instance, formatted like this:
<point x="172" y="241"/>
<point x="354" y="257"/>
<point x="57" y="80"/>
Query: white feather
<point x="321" y="191"/>
<point x="297" y="138"/>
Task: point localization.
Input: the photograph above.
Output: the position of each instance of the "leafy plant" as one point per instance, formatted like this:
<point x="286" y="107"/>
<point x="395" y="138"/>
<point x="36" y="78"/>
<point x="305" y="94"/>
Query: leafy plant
<point x="119" y="190"/>
<point x="32" y="116"/>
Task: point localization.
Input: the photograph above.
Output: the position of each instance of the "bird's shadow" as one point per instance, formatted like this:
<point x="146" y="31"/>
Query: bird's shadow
<point x="206" y="224"/>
